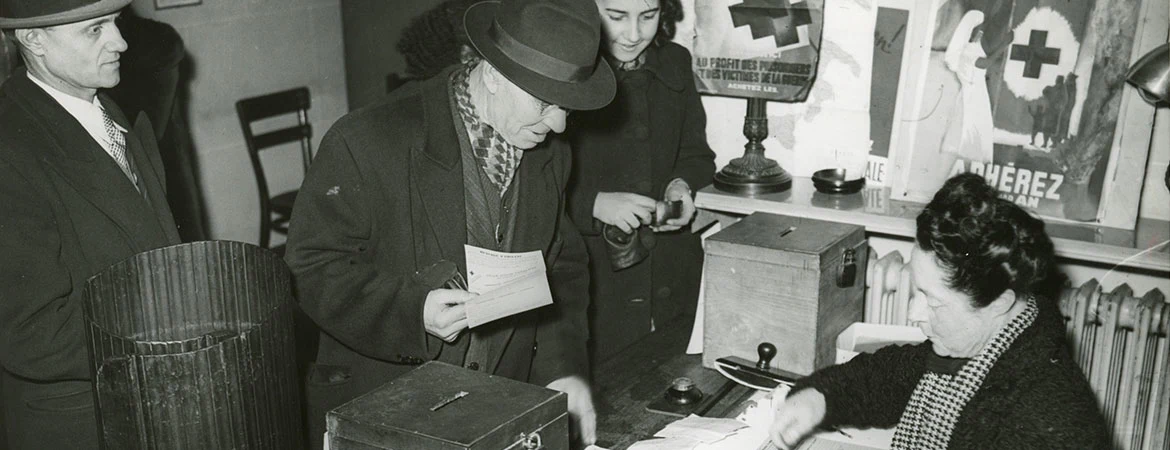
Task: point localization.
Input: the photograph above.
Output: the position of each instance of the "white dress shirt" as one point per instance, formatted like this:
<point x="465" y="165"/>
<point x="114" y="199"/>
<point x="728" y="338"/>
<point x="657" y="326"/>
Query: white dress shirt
<point x="89" y="114"/>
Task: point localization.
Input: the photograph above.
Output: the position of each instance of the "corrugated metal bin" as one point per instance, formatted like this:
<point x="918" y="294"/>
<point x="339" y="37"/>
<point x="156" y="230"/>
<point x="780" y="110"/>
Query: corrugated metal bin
<point x="192" y="348"/>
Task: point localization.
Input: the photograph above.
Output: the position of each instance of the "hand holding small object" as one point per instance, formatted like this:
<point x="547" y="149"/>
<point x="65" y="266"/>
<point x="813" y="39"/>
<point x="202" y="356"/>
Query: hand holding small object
<point x="624" y="210"/>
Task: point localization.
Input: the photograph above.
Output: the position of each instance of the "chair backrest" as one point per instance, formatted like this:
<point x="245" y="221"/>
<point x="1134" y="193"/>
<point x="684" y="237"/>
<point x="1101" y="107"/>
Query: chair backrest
<point x="292" y="101"/>
<point x="254" y="109"/>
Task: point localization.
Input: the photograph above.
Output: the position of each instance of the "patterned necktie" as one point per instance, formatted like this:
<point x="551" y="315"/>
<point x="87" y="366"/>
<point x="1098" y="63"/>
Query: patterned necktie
<point x="118" y="147"/>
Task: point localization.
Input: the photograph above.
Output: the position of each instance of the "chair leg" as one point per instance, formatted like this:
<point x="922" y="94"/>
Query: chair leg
<point x="265" y="228"/>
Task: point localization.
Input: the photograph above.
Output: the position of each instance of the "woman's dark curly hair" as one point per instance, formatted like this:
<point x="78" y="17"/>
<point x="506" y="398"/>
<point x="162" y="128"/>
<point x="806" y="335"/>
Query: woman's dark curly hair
<point x="984" y="243"/>
<point x="670" y="13"/>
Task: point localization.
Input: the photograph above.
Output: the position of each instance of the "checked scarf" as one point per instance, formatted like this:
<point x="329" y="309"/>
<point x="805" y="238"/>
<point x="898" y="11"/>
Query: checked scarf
<point x="496" y="157"/>
<point x="938" y="400"/>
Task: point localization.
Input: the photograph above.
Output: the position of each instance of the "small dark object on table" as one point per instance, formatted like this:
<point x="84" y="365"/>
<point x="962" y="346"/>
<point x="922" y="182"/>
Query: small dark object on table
<point x="683" y="392"/>
<point x="832" y="181"/>
<point x="681" y="399"/>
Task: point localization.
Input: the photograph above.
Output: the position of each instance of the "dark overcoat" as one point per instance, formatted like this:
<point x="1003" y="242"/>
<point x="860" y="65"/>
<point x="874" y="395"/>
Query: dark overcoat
<point x="383" y="200"/>
<point x="653" y="132"/>
<point x="66" y="212"/>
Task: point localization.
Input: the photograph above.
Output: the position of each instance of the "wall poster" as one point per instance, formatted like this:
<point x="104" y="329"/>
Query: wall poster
<point x="817" y="71"/>
<point x="901" y="46"/>
<point x="1030" y="94"/>
<point x="758" y="48"/>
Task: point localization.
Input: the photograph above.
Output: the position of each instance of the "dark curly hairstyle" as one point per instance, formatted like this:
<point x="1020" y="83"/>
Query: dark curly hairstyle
<point x="670" y="13"/>
<point x="984" y="243"/>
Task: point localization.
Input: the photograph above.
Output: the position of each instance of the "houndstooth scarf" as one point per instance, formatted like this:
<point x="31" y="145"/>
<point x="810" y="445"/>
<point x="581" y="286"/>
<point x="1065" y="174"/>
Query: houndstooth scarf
<point x="496" y="156"/>
<point x="938" y="400"/>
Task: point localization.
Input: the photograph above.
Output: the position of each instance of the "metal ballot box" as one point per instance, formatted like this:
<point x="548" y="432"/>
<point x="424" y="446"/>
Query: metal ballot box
<point x="440" y="406"/>
<point x="793" y="282"/>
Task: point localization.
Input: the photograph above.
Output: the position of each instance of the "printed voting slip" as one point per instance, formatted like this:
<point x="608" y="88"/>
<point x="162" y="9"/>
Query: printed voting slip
<point x="507" y="284"/>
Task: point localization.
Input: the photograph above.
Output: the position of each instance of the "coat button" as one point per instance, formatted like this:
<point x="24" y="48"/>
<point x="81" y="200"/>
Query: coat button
<point x="473" y="366"/>
<point x="662" y="293"/>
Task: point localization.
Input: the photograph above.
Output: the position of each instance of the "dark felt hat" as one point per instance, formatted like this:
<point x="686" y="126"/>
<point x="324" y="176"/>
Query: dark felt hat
<point x="546" y="47"/>
<point x="47" y="13"/>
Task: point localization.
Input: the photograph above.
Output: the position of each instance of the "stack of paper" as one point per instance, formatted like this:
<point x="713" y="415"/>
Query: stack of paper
<point x="694" y="432"/>
<point x="750" y="431"/>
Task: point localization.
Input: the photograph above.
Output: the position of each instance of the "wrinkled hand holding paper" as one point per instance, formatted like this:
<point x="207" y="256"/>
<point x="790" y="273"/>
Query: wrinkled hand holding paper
<point x="507" y="284"/>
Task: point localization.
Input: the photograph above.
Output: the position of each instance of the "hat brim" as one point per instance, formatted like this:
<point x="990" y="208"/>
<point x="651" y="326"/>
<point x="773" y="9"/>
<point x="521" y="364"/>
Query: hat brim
<point x="86" y="12"/>
<point x="593" y="93"/>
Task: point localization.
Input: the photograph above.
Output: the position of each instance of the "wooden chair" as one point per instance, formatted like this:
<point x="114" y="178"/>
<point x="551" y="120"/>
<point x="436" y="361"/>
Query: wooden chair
<point x="250" y="110"/>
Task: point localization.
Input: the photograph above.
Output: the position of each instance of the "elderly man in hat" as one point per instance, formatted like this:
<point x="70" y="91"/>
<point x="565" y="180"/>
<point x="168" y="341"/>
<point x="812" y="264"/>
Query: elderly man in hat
<point x="80" y="188"/>
<point x="470" y="156"/>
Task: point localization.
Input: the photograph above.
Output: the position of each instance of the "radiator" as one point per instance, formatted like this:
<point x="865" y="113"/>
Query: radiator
<point x="1119" y="340"/>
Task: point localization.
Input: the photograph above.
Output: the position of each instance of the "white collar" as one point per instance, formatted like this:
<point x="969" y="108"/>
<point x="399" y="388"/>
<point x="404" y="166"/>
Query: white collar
<point x="88" y="113"/>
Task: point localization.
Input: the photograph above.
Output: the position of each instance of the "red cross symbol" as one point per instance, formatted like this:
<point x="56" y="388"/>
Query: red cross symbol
<point x="776" y="18"/>
<point x="1035" y="55"/>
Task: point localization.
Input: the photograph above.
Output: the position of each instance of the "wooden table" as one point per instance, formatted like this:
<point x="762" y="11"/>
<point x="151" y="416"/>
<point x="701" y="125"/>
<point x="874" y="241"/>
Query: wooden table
<point x="638" y="375"/>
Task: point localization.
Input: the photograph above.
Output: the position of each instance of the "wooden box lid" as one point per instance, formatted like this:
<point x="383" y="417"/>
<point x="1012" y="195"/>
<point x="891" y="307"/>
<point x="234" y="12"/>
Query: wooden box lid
<point x="785" y="240"/>
<point x="493" y="414"/>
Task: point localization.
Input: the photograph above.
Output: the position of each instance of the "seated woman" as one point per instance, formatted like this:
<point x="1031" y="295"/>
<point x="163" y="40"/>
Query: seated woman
<point x="995" y="372"/>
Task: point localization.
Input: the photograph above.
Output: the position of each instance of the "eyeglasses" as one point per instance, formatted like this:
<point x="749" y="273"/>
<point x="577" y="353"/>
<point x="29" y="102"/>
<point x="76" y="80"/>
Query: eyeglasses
<point x="546" y="108"/>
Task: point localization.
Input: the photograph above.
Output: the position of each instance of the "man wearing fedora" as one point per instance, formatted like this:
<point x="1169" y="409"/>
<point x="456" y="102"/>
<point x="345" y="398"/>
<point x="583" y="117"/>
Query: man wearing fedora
<point x="80" y="188"/>
<point x="470" y="156"/>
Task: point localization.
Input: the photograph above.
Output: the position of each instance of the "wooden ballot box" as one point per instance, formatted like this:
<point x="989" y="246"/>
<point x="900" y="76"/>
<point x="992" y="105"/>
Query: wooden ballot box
<point x="793" y="282"/>
<point x="440" y="406"/>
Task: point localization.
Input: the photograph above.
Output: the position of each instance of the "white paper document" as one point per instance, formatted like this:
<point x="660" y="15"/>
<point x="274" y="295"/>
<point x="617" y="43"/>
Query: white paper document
<point x="749" y="431"/>
<point x="507" y="284"/>
<point x="696" y="343"/>
<point x="679" y="443"/>
<point x="702" y="429"/>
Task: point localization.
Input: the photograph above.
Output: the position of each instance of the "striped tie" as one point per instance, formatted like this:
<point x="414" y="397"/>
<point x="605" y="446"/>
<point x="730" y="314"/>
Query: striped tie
<point x="118" y="147"/>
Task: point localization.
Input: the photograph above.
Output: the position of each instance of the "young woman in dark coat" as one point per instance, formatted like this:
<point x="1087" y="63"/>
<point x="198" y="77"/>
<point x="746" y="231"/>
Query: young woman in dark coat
<point x="647" y="146"/>
<point x="996" y="371"/>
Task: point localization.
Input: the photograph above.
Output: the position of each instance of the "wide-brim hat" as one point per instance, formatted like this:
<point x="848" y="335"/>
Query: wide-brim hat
<point x="47" y="13"/>
<point x="548" y="48"/>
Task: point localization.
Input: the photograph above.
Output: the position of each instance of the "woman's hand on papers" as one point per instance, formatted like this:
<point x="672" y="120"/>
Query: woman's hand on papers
<point x="797" y="417"/>
<point x="444" y="314"/>
<point x="584" y="425"/>
<point x="624" y="210"/>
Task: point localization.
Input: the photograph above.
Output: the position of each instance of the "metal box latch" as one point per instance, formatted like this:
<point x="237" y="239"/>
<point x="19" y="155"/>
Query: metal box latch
<point x="848" y="272"/>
